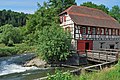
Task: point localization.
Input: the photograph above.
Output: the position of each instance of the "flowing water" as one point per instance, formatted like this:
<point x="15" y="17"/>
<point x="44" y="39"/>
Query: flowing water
<point x="11" y="68"/>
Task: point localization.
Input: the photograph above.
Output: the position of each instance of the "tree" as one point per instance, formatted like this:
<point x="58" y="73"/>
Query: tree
<point x="115" y="12"/>
<point x="47" y="14"/>
<point x="61" y="5"/>
<point x="10" y="17"/>
<point x="53" y="43"/>
<point x="44" y="16"/>
<point x="44" y="31"/>
<point x="92" y="5"/>
<point x="10" y="35"/>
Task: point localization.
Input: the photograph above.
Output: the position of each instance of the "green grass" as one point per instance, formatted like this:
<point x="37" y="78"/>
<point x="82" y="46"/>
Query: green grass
<point x="112" y="73"/>
<point x="16" y="49"/>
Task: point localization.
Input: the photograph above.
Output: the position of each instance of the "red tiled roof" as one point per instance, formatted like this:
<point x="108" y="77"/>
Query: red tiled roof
<point x="90" y="17"/>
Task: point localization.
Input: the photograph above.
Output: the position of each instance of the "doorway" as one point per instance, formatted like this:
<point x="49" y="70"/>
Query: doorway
<point x="87" y="46"/>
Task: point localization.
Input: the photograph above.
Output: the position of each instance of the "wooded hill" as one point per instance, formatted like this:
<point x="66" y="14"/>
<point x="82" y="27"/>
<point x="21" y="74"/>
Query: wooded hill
<point x="11" y="17"/>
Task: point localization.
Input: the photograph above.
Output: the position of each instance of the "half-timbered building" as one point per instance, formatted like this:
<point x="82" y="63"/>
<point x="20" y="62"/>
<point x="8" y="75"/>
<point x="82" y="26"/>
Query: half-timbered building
<point x="90" y="28"/>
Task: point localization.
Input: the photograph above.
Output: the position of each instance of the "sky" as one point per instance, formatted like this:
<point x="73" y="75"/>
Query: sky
<point x="30" y="6"/>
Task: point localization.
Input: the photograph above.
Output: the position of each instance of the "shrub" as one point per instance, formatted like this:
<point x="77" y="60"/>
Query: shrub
<point x="53" y="43"/>
<point x="60" y="76"/>
<point x="10" y="35"/>
<point x="8" y="51"/>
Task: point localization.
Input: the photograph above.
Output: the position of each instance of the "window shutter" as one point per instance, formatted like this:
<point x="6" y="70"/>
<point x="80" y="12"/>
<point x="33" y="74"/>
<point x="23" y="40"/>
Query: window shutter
<point x="64" y="18"/>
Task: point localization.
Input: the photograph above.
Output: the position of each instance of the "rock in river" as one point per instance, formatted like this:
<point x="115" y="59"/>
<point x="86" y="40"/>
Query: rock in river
<point x="36" y="62"/>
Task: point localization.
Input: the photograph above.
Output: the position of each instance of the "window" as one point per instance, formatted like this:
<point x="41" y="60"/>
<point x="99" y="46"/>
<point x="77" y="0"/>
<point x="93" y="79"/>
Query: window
<point x="93" y="30"/>
<point x="64" y="18"/>
<point x="61" y="19"/>
<point x="106" y="30"/>
<point x="89" y="31"/>
<point x="102" y="31"/>
<point x="111" y="46"/>
<point x="98" y="30"/>
<point x="110" y="32"/>
<point x="101" y="44"/>
<point x="84" y="30"/>
<point x="116" y="32"/>
<point x="77" y="29"/>
<point x="113" y="32"/>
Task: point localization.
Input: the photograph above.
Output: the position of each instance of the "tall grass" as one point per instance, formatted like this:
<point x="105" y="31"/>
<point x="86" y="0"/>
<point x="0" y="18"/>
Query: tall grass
<point x="112" y="73"/>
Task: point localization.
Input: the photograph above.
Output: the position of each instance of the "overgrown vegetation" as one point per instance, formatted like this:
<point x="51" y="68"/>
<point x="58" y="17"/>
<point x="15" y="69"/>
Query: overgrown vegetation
<point x="44" y="31"/>
<point x="53" y="43"/>
<point x="60" y="76"/>
<point x="17" y="49"/>
<point x="112" y="73"/>
<point x="10" y="35"/>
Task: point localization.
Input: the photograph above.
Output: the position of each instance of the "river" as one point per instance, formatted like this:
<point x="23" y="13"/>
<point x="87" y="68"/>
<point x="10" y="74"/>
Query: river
<point x="11" y="68"/>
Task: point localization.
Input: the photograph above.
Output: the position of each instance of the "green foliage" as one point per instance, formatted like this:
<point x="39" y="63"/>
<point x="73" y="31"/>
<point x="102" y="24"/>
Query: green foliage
<point x="92" y="5"/>
<point x="61" y="5"/>
<point x="8" y="51"/>
<point x="24" y="48"/>
<point x="115" y="12"/>
<point x="10" y="42"/>
<point x="53" y="43"/>
<point x="47" y="14"/>
<point x="11" y="17"/>
<point x="112" y="73"/>
<point x="60" y="76"/>
<point x="16" y="49"/>
<point x="10" y="35"/>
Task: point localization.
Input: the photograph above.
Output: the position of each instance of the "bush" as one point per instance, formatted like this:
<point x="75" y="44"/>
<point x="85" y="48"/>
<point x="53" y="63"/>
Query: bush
<point x="8" y="51"/>
<point x="10" y="35"/>
<point x="60" y="76"/>
<point x="54" y="43"/>
<point x="10" y="42"/>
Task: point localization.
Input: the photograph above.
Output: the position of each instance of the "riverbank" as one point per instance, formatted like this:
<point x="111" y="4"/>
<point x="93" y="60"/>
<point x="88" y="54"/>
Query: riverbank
<point x="22" y="49"/>
<point x="112" y="73"/>
<point x="16" y="49"/>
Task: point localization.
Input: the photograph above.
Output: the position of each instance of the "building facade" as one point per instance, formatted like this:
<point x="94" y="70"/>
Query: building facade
<point x="90" y="28"/>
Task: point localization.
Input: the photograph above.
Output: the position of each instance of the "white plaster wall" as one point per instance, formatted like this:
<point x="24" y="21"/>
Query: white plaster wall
<point x="68" y="23"/>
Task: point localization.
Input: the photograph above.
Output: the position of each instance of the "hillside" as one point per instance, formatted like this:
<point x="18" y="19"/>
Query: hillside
<point x="10" y="17"/>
